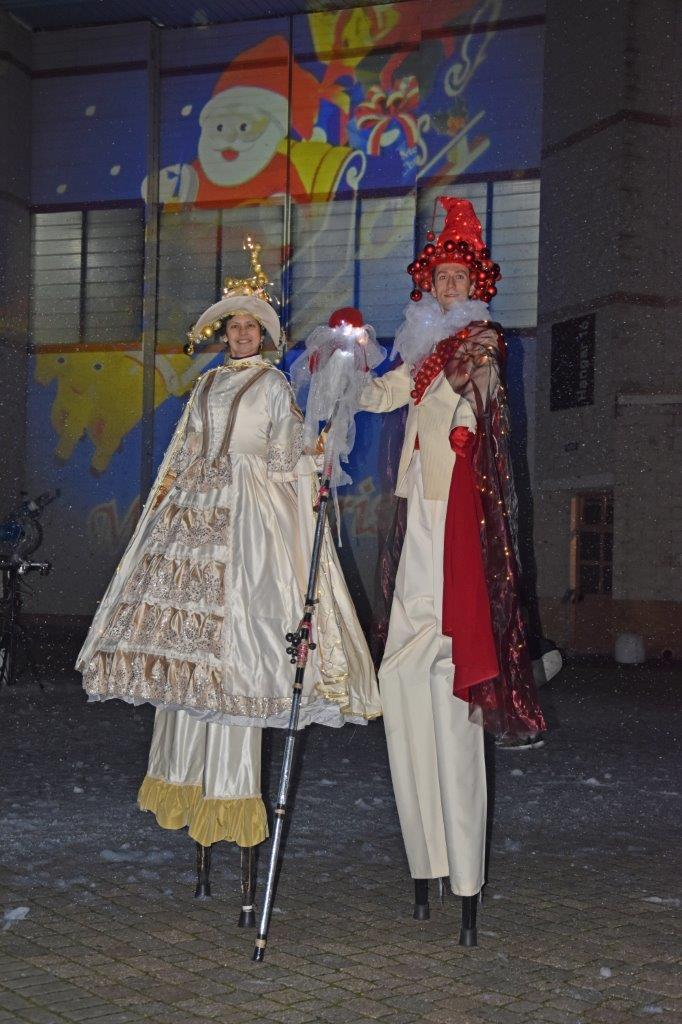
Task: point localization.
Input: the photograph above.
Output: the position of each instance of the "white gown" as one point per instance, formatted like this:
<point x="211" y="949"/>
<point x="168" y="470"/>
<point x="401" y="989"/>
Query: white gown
<point x="215" y="575"/>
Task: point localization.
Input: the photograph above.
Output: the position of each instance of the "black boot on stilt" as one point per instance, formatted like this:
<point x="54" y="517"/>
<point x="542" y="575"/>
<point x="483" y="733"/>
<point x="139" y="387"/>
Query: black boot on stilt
<point x="247" y="918"/>
<point x="467" y="935"/>
<point x="203" y="889"/>
<point x="421" y="899"/>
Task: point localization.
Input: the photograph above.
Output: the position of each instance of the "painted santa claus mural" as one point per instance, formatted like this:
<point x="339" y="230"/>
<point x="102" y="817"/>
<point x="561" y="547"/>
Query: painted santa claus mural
<point x="253" y="147"/>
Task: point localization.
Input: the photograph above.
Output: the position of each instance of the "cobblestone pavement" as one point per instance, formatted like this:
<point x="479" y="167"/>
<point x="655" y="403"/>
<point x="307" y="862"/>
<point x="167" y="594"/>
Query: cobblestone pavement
<point x="578" y="922"/>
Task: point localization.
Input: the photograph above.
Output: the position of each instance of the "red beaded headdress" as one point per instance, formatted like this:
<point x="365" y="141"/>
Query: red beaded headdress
<point x="460" y="241"/>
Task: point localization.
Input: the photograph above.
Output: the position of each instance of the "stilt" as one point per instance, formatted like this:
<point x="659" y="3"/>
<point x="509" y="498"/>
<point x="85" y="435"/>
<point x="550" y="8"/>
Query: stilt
<point x="203" y="889"/>
<point x="247" y="918"/>
<point x="421" y="899"/>
<point x="467" y="935"/>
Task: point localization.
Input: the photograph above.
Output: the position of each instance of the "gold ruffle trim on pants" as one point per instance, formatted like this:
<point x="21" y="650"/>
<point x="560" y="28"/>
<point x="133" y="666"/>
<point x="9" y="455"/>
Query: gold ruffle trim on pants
<point x="242" y="820"/>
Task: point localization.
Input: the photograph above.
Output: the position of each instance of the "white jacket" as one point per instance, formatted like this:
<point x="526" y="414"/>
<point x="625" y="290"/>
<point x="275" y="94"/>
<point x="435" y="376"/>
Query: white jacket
<point x="439" y="411"/>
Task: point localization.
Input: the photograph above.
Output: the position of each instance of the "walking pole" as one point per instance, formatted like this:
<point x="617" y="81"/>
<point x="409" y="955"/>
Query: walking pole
<point x="301" y="644"/>
<point x="334" y="365"/>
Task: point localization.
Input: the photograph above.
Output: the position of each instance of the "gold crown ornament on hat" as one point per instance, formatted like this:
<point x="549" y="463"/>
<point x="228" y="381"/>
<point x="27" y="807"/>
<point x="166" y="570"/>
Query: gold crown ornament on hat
<point x="254" y="285"/>
<point x="241" y="295"/>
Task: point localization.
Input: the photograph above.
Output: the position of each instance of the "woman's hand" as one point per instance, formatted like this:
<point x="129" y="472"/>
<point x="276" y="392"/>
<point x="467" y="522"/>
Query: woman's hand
<point x="322" y="440"/>
<point x="163" y="489"/>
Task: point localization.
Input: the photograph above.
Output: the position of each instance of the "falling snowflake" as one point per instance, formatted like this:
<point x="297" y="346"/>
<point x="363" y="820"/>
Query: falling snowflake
<point x="116" y="169"/>
<point x="61" y="189"/>
<point x="89" y="111"/>
<point x="186" y="110"/>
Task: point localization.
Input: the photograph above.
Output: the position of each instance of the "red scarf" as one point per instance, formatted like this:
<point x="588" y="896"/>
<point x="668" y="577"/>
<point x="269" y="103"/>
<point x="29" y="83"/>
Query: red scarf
<point x="466" y="604"/>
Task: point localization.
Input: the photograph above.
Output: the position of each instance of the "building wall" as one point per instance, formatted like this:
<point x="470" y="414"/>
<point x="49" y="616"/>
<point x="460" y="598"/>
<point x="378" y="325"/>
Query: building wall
<point x="610" y="245"/>
<point x="339" y="211"/>
<point x="15" y="183"/>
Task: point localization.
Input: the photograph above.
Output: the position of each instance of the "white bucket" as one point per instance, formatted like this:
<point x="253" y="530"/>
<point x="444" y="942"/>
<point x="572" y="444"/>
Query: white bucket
<point x="629" y="649"/>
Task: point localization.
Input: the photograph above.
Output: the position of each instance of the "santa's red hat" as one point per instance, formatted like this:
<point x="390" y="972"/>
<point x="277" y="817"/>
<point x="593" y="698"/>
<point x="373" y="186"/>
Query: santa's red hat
<point x="460" y="241"/>
<point x="259" y="78"/>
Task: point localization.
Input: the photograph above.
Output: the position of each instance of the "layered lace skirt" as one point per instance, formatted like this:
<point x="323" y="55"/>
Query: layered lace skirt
<point x="197" y="615"/>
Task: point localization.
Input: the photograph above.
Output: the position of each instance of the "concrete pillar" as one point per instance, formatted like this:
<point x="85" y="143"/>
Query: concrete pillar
<point x="610" y="230"/>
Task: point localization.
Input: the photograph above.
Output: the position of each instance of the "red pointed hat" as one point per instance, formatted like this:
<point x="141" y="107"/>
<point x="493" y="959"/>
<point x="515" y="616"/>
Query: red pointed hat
<point x="460" y="241"/>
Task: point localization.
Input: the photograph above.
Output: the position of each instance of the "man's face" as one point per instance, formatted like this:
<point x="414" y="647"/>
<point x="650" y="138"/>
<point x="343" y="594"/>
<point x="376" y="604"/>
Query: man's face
<point x="450" y="284"/>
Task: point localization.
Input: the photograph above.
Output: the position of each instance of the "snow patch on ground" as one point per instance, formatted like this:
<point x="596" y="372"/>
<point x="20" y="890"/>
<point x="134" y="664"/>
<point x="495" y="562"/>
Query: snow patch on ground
<point x="12" y="915"/>
<point x="126" y="856"/>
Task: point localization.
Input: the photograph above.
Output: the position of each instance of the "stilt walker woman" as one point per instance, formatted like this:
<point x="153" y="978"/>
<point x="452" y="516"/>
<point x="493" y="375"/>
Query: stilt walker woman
<point x="455" y="659"/>
<point x="195" y="617"/>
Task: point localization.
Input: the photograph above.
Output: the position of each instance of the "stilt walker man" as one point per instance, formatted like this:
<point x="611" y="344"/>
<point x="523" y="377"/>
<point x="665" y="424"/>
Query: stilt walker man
<point x="455" y="658"/>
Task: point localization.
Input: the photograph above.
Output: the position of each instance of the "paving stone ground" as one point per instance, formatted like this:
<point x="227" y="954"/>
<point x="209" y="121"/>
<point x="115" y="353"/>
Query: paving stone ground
<point x="580" y="921"/>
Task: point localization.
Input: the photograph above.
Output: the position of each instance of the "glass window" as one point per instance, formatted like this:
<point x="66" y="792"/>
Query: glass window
<point x="87" y="269"/>
<point x="589" y="546"/>
<point x="589" y="579"/>
<point x="514" y="242"/>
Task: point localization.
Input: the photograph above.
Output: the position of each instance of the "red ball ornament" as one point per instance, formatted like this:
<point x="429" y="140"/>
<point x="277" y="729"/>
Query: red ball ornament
<point x="347" y="316"/>
<point x="423" y="262"/>
<point x="468" y="258"/>
<point x="493" y="291"/>
<point x="429" y="249"/>
<point x="485" y="253"/>
<point x="415" y="295"/>
<point x="430" y="236"/>
<point x="449" y="245"/>
<point x="410" y="268"/>
<point x="427" y="286"/>
<point x="496" y="271"/>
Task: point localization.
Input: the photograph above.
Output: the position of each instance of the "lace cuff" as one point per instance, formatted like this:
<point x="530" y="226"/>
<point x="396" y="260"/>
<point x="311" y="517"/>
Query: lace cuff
<point x="186" y="453"/>
<point x="282" y="458"/>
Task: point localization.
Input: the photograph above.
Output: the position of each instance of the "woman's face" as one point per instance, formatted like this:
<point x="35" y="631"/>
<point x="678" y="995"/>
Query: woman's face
<point x="243" y="334"/>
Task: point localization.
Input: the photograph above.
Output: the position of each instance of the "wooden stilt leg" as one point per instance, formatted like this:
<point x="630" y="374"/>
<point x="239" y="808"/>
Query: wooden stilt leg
<point x="467" y="935"/>
<point x="203" y="889"/>
<point x="421" y="899"/>
<point x="247" y="917"/>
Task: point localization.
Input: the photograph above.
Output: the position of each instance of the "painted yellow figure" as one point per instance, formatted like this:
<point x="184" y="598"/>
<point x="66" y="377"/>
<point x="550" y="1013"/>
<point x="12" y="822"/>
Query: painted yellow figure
<point x="99" y="396"/>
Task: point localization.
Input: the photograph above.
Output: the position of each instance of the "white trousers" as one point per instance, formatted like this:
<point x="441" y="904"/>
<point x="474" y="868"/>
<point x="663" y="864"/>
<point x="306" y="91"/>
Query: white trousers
<point x="224" y="760"/>
<point x="435" y="751"/>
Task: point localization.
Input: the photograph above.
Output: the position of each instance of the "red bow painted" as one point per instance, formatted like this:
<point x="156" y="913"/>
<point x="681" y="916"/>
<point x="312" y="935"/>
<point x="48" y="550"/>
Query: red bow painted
<point x="381" y="109"/>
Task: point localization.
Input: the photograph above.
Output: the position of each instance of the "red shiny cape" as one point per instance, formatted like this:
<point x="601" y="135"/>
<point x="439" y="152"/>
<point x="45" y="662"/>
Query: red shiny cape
<point x="481" y="609"/>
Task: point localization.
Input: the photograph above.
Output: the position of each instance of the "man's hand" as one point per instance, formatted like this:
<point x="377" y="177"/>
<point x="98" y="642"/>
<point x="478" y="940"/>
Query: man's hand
<point x="461" y="440"/>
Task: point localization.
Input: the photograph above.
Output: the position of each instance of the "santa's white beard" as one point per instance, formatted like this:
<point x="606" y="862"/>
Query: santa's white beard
<point x="426" y="324"/>
<point x="250" y="162"/>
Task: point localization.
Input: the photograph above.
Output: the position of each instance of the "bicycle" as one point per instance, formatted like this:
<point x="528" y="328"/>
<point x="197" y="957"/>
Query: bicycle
<point x="21" y="534"/>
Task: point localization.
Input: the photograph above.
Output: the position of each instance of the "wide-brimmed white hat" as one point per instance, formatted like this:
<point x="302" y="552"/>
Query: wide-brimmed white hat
<point x="247" y="296"/>
<point x="232" y="305"/>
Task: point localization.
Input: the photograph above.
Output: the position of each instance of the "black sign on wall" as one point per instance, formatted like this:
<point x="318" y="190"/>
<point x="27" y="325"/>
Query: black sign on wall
<point x="572" y="370"/>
